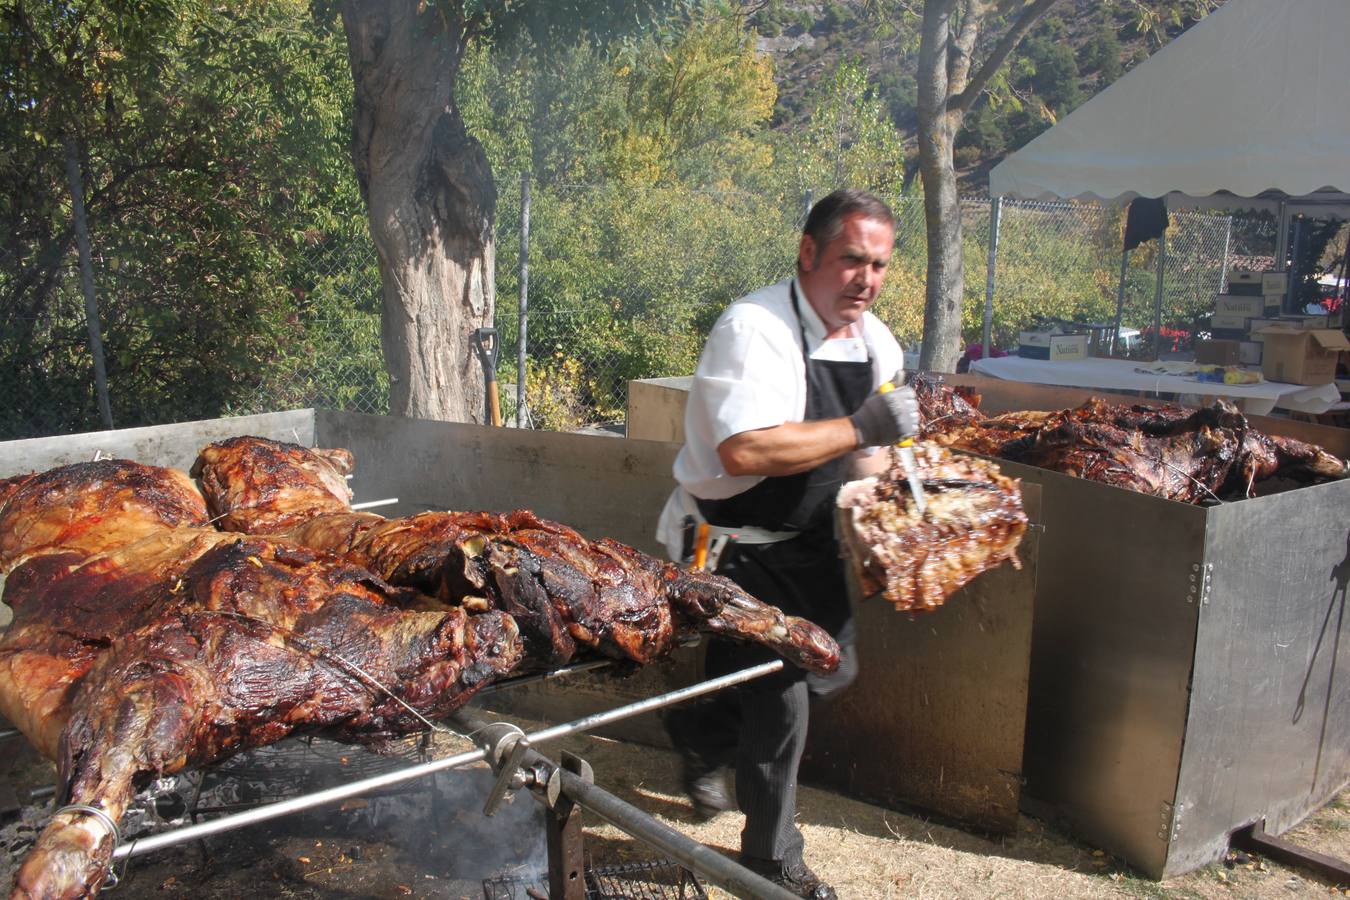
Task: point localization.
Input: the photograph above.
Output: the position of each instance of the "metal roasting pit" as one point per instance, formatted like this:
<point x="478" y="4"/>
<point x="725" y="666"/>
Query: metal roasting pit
<point x="568" y="789"/>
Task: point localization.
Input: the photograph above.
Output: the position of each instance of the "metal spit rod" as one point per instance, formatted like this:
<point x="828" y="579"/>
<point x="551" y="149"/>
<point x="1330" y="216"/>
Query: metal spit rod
<point x="355" y="788"/>
<point x="555" y="674"/>
<point x="688" y="852"/>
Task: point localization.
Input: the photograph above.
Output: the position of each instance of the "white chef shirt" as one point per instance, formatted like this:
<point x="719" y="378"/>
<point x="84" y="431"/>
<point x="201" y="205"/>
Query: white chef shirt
<point x="752" y="375"/>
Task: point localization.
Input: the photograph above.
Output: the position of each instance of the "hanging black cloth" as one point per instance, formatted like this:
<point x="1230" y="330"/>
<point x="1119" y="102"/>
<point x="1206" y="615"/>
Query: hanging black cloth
<point x="1146" y="220"/>
<point x="805" y="501"/>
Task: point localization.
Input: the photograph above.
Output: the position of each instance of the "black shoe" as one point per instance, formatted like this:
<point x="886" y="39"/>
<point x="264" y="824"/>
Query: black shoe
<point x="796" y="878"/>
<point x="707" y="788"/>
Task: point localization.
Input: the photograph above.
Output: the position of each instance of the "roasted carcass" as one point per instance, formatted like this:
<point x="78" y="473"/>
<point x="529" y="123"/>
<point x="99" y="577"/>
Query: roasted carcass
<point x="87" y="508"/>
<point x="566" y="592"/>
<point x="182" y="645"/>
<point x="1194" y="456"/>
<point x="973" y="522"/>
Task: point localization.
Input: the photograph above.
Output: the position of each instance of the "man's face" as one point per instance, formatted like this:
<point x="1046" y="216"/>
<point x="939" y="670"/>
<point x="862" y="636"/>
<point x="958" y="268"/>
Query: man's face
<point x="842" y="278"/>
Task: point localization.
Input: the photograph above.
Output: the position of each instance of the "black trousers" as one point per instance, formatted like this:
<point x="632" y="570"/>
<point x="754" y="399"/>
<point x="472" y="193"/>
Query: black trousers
<point x="760" y="727"/>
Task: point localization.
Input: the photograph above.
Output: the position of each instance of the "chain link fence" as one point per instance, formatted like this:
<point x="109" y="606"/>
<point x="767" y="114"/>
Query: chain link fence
<point x="623" y="283"/>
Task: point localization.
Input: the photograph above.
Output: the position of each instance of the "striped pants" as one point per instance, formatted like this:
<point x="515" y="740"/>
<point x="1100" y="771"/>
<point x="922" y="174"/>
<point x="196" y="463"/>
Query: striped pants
<point x="760" y="727"/>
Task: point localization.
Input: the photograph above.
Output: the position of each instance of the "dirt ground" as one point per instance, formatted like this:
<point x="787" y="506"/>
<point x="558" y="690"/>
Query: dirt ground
<point x="432" y="841"/>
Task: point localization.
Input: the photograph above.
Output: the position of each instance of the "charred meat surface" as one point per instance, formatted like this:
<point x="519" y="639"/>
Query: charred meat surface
<point x="91" y="507"/>
<point x="285" y="483"/>
<point x="973" y="522"/>
<point x="130" y="665"/>
<point x="566" y="592"/>
<point x="1193" y="456"/>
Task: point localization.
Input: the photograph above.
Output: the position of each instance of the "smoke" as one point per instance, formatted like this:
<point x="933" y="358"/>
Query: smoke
<point x="429" y="833"/>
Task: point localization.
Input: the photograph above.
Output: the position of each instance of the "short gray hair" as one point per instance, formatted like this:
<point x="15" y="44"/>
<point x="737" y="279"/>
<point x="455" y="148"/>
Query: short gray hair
<point x="825" y="222"/>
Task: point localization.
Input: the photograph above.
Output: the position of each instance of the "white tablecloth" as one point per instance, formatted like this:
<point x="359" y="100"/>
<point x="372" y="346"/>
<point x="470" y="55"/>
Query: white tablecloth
<point x="1124" y="375"/>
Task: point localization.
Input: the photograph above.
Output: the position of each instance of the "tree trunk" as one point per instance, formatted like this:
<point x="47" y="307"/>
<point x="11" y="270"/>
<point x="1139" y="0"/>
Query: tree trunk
<point x="941" y="206"/>
<point x="431" y="199"/>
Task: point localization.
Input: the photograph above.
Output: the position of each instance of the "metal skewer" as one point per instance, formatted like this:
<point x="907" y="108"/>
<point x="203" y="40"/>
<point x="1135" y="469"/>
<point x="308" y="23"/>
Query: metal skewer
<point x="342" y="792"/>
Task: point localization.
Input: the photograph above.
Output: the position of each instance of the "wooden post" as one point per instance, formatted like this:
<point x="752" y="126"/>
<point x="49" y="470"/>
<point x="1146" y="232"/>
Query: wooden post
<point x="87" y="279"/>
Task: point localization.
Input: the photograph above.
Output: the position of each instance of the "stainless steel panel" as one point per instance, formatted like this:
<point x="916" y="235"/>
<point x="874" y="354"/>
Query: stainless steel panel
<point x="938" y="713"/>
<point x="1111" y="654"/>
<point x="602" y="486"/>
<point x="158" y="445"/>
<point x="1268" y="734"/>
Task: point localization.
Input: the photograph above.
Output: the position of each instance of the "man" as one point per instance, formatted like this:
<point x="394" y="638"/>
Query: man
<point x="784" y="399"/>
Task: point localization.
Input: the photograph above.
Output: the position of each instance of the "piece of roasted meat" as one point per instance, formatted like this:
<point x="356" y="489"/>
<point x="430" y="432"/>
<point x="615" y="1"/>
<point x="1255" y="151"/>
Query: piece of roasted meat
<point x="567" y="592"/>
<point x="299" y="483"/>
<point x="178" y="646"/>
<point x="1193" y="456"/>
<point x="973" y="522"/>
<point x="90" y="507"/>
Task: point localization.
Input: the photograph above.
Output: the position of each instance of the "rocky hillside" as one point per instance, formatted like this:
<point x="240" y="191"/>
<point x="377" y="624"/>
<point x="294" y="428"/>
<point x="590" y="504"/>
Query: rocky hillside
<point x="1080" y="47"/>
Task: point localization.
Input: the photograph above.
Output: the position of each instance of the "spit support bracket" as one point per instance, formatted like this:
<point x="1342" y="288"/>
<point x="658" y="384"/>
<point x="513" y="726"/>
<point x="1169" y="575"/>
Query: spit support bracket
<point x="566" y="843"/>
<point x="505" y="752"/>
<point x="553" y="795"/>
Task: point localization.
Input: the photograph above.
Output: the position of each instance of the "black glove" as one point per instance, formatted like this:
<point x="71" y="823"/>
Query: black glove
<point x="886" y="418"/>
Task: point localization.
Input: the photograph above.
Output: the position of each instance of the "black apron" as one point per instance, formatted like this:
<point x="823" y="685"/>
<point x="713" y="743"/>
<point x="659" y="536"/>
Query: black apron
<point x="803" y="502"/>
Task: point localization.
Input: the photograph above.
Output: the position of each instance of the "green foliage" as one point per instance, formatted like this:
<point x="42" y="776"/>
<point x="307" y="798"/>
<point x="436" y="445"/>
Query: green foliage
<point x="1102" y="53"/>
<point x="206" y="136"/>
<point x="689" y="202"/>
<point x="1054" y="74"/>
<point x="848" y="137"/>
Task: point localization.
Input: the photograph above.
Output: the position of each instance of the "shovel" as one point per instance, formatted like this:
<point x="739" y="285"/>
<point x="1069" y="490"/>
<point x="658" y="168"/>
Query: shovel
<point x="484" y="343"/>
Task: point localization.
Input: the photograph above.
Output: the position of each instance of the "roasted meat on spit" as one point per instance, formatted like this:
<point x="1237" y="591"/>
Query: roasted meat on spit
<point x="183" y="645"/>
<point x="1194" y="456"/>
<point x="973" y="521"/>
<point x="566" y="592"/>
<point x="87" y="508"/>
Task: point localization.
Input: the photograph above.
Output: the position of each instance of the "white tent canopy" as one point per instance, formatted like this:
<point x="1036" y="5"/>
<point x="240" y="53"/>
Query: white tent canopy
<point x="1247" y="109"/>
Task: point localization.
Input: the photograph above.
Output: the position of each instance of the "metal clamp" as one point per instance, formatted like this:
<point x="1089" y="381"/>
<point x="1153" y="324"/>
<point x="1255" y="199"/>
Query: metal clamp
<point x="101" y="815"/>
<point x="506" y="756"/>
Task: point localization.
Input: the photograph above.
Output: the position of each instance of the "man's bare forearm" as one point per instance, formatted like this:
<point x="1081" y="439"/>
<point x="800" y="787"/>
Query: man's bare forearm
<point x="788" y="448"/>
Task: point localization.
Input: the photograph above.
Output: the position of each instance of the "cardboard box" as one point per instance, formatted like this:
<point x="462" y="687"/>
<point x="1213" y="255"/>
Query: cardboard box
<point x="1233" y="305"/>
<point x="1255" y="326"/>
<point x="1275" y="283"/>
<point x="1229" y="334"/>
<point x="1301" y="355"/>
<point x="1244" y="283"/>
<point x="1052" y="345"/>
<point x="1249" y="353"/>
<point x="1229" y="322"/>
<point x="1218" y="352"/>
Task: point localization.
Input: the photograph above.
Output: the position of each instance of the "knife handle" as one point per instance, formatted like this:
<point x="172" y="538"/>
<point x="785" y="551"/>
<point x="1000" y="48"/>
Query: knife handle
<point x="885" y="388"/>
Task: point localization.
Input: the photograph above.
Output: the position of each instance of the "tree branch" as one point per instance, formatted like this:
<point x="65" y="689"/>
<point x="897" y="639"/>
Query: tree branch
<point x="1005" y="45"/>
<point x="962" y="50"/>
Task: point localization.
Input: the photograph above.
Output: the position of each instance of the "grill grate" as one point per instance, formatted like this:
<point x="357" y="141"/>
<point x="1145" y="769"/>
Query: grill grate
<point x="654" y="880"/>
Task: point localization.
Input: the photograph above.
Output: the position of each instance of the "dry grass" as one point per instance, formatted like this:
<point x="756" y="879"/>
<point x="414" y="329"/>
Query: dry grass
<point x="871" y="853"/>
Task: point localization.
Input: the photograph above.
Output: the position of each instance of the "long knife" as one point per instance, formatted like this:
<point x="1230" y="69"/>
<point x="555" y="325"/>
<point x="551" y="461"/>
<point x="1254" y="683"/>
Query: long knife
<point x="906" y="449"/>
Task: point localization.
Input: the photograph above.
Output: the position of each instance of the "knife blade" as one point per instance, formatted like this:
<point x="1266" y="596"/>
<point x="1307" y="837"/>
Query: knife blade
<point x="906" y="449"/>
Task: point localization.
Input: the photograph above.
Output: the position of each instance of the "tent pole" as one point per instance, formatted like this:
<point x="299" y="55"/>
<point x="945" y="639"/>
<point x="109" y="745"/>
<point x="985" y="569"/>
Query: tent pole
<point x="1282" y="237"/>
<point x="1292" y="272"/>
<point x="1227" y="245"/>
<point x="1158" y="296"/>
<point x="995" y="215"/>
<point x="1120" y="303"/>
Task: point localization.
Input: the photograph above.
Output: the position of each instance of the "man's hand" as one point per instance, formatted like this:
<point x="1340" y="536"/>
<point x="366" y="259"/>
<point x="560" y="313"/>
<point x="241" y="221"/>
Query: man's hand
<point x="885" y="418"/>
